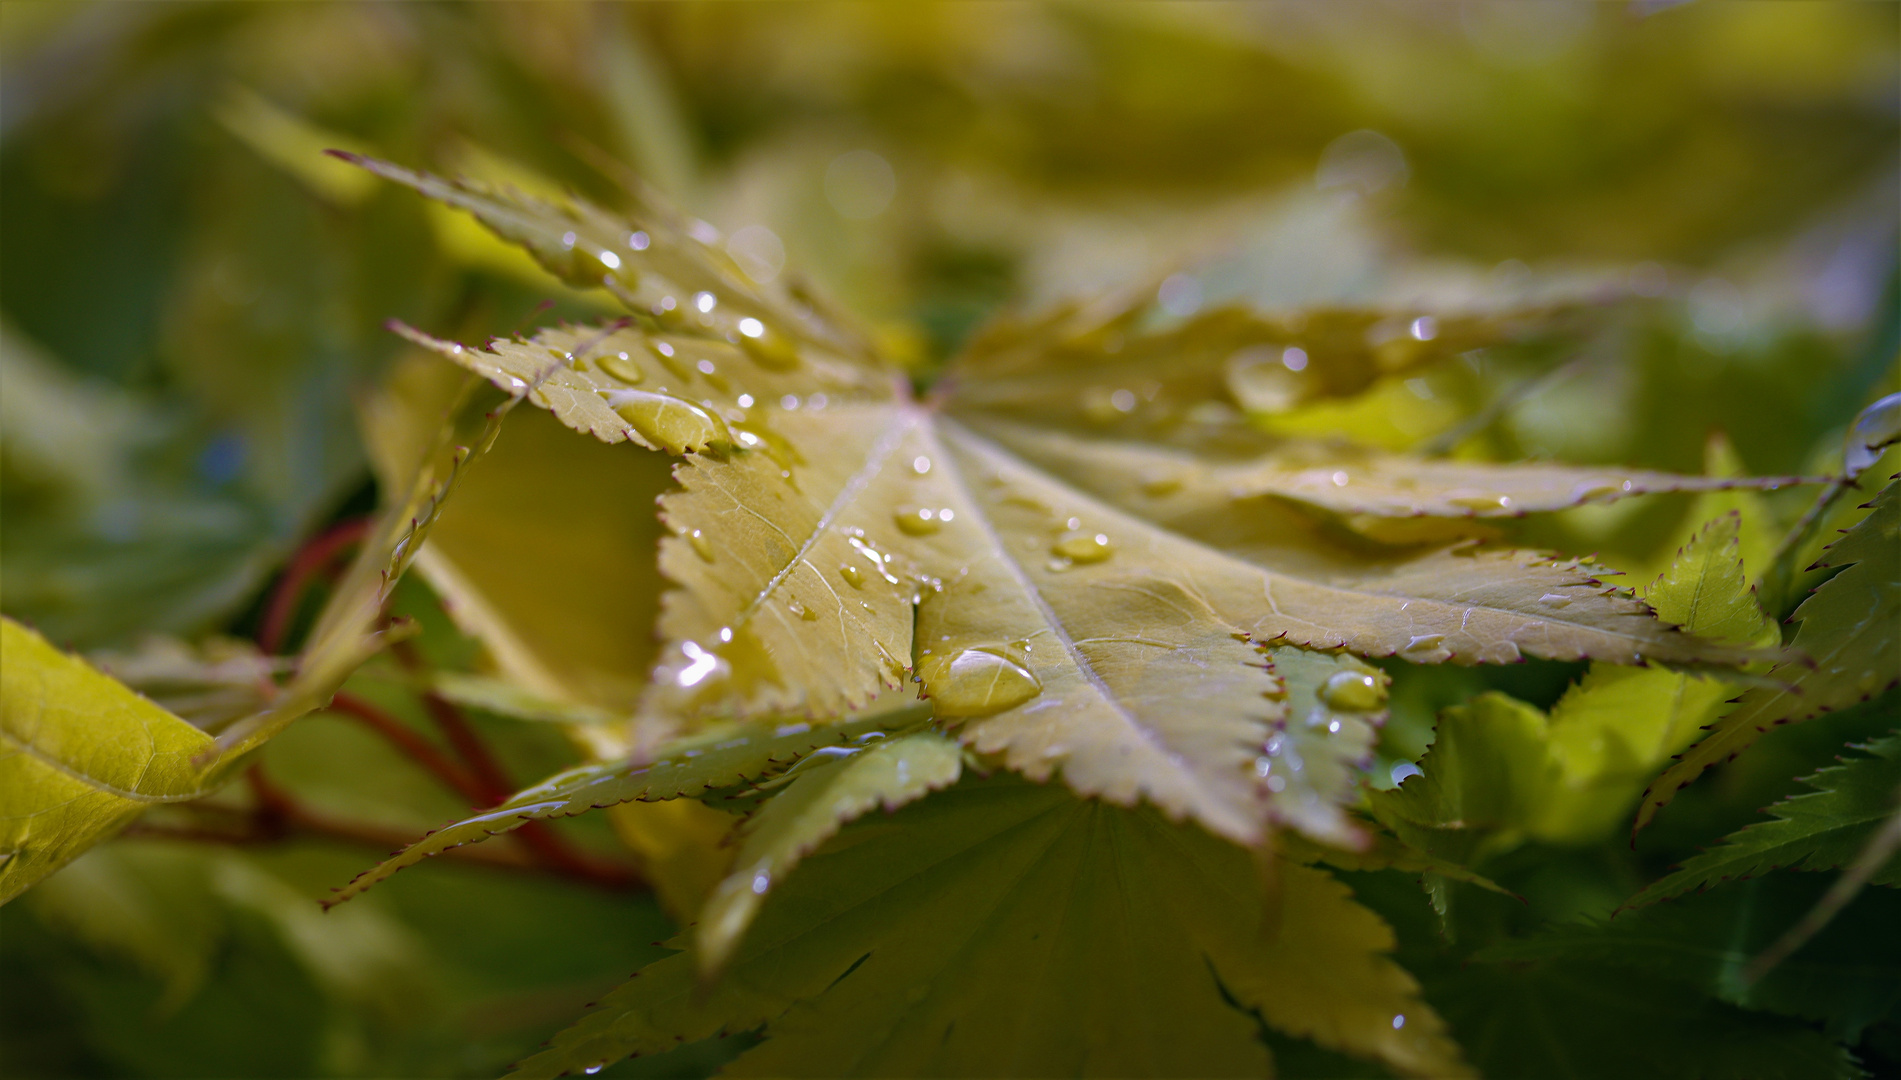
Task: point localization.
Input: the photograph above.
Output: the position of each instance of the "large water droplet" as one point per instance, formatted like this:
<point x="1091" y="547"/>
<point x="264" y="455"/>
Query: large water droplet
<point x="1083" y="547"/>
<point x="977" y="682"/>
<point x="1353" y="691"/>
<point x="1555" y="600"/>
<point x="852" y="575"/>
<point x="916" y="521"/>
<point x="622" y="367"/>
<point x="673" y="425"/>
<point x="802" y="611"/>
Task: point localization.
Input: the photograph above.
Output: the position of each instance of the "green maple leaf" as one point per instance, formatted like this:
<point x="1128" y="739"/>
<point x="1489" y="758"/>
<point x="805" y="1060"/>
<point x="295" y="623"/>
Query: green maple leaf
<point x="1006" y="927"/>
<point x="1501" y="771"/>
<point x="1823" y="829"/>
<point x="1076" y="530"/>
<point x="1850" y="635"/>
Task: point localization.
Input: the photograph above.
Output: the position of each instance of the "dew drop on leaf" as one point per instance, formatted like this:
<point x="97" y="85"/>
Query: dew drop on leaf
<point x="622" y="367"/>
<point x="700" y="544"/>
<point x="768" y="349"/>
<point x="1554" y="600"/>
<point x="1481" y="502"/>
<point x="1354" y="691"/>
<point x="852" y="575"/>
<point x="1425" y="648"/>
<point x="977" y="682"/>
<point x="673" y="425"/>
<point x="1083" y="547"/>
<point x="916" y="521"/>
<point x="1261" y="381"/>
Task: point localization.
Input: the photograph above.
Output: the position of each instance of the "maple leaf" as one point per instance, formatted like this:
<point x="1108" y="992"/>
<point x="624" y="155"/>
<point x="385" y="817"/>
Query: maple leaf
<point x="1074" y="532"/>
<point x="1819" y="830"/>
<point x="1850" y="635"/>
<point x="1002" y="927"/>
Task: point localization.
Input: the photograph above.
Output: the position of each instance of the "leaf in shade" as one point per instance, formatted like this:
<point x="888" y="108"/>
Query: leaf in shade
<point x="1000" y="927"/>
<point x="686" y="769"/>
<point x="1850" y="636"/>
<point x="1482" y="786"/>
<point x="827" y="790"/>
<point x="1057" y="589"/>
<point x="1823" y="829"/>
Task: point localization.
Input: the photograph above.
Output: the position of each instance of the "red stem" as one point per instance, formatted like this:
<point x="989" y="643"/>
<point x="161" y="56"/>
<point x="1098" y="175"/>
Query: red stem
<point x="312" y="558"/>
<point x="411" y="742"/>
<point x="279" y="816"/>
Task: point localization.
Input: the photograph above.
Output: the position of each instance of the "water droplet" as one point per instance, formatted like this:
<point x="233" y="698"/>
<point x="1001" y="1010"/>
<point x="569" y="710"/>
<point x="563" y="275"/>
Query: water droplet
<point x="768" y="348"/>
<point x="705" y="301"/>
<point x="1261" y="379"/>
<point x="916" y="521"/>
<point x="1555" y="600"/>
<point x="1405" y="771"/>
<point x="803" y="612"/>
<point x="977" y="682"/>
<point x="1399" y="1021"/>
<point x="705" y="367"/>
<point x="852" y="575"/>
<point x="761" y="882"/>
<point x="638" y="240"/>
<point x="700" y="544"/>
<point x="920" y="465"/>
<point x="610" y="260"/>
<point x="1083" y="547"/>
<point x="622" y="367"/>
<point x="592" y="1069"/>
<point x="1340" y="479"/>
<point x="1587" y="492"/>
<point x="1156" y="485"/>
<point x="1424" y="328"/>
<point x="1425" y="648"/>
<point x="673" y="425"/>
<point x="1480" y="501"/>
<point x="1353" y="691"/>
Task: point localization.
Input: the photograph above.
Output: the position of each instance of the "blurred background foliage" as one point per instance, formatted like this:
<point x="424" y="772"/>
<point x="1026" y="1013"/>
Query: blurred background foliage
<point x="192" y="302"/>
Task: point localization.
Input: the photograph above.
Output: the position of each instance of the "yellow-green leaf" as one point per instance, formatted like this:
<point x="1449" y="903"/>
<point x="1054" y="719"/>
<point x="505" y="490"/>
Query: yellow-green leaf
<point x="80" y="756"/>
<point x="1058" y="572"/>
<point x="1850" y="637"/>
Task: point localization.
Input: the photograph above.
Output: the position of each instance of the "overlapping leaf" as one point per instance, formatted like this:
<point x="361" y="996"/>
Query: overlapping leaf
<point x="1819" y="830"/>
<point x="686" y="769"/>
<point x="1003" y="928"/>
<point x="1850" y="635"/>
<point x="1059" y="572"/>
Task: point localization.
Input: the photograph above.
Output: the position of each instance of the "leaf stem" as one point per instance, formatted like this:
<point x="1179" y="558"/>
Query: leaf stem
<point x="410" y="742"/>
<point x="279" y="817"/>
<point x="316" y="554"/>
